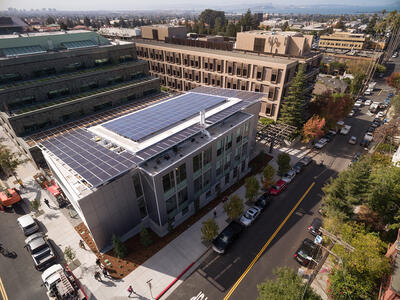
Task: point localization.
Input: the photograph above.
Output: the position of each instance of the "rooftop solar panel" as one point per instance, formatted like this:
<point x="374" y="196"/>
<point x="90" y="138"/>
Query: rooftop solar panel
<point x="94" y="162"/>
<point x="146" y="122"/>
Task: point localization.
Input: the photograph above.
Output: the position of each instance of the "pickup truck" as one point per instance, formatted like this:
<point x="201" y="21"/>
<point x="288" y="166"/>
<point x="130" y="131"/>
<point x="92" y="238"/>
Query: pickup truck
<point x="9" y="197"/>
<point x="41" y="251"/>
<point x="345" y="130"/>
<point x="61" y="284"/>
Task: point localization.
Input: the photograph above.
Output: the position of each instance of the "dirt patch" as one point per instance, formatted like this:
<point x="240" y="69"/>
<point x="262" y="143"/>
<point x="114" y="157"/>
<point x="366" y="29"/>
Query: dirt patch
<point x="138" y="254"/>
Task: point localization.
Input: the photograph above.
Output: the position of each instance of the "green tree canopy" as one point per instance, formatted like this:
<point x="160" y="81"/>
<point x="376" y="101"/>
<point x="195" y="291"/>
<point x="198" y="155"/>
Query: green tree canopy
<point x="120" y="250"/>
<point x="287" y="286"/>
<point x="145" y="237"/>
<point x="10" y="161"/>
<point x="293" y="106"/>
<point x="209" y="230"/>
<point x="356" y="83"/>
<point x="234" y="207"/>
<point x="268" y="176"/>
<point x="209" y="16"/>
<point x="252" y="186"/>
<point x="283" y="163"/>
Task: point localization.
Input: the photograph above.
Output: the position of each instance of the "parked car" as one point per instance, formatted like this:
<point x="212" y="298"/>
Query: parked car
<point x="352" y="113"/>
<point x="390" y="95"/>
<point x="368" y="136"/>
<point x="364" y="143"/>
<point x="368" y="102"/>
<point x="27" y="224"/>
<point x="358" y="103"/>
<point x="321" y="143"/>
<point x="306" y="160"/>
<point x="375" y="124"/>
<point x="221" y="243"/>
<point x="278" y="187"/>
<point x="353" y="140"/>
<point x="250" y="216"/>
<point x="307" y="251"/>
<point x="371" y="129"/>
<point x="333" y="131"/>
<point x="263" y="201"/>
<point x="41" y="251"/>
<point x="315" y="226"/>
<point x="356" y="157"/>
<point x="289" y="176"/>
<point x="380" y="114"/>
<point x="329" y="136"/>
<point x="345" y="130"/>
<point x="377" y="121"/>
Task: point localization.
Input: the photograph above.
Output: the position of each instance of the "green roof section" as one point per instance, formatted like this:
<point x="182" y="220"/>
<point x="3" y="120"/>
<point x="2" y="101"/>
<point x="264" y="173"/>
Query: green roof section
<point x="48" y="41"/>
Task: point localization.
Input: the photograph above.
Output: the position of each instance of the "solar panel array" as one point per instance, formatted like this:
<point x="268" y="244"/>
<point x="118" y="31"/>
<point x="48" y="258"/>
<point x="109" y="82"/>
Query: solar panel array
<point x="151" y="120"/>
<point x="94" y="162"/>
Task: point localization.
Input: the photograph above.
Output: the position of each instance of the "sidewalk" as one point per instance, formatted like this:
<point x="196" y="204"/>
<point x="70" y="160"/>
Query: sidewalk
<point x="161" y="269"/>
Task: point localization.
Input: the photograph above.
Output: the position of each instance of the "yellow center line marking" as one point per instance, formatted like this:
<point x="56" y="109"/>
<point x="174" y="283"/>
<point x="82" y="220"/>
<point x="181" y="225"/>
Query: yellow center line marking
<point x="267" y="243"/>
<point x="3" y="290"/>
<point x="380" y="92"/>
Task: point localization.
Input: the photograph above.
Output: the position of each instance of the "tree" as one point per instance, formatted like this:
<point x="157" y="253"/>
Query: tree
<point x="234" y="207"/>
<point x="380" y="68"/>
<point x="209" y="17"/>
<point x="86" y="21"/>
<point x="69" y="254"/>
<point x="209" y="230"/>
<point x="395" y="103"/>
<point x="265" y="121"/>
<point x="394" y="80"/>
<point x="252" y="186"/>
<point x="268" y="176"/>
<point x="231" y="30"/>
<point x="357" y="82"/>
<point x="120" y="250"/>
<point x="340" y="24"/>
<point x="331" y="107"/>
<point x="35" y="204"/>
<point x="314" y="128"/>
<point x="292" y="108"/>
<point x="10" y="161"/>
<point x="359" y="274"/>
<point x="63" y="26"/>
<point x="287" y="286"/>
<point x="145" y="238"/>
<point x="283" y="163"/>
<point x="50" y="20"/>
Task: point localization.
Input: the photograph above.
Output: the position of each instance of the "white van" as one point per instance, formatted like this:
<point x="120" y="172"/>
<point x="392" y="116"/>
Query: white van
<point x="27" y="224"/>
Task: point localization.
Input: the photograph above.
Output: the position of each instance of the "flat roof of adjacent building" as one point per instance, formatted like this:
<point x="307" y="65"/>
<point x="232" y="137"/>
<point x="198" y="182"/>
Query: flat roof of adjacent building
<point x="235" y="54"/>
<point x="93" y="156"/>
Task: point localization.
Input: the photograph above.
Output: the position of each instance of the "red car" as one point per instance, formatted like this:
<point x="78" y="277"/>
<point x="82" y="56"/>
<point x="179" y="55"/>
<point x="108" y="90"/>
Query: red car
<point x="278" y="187"/>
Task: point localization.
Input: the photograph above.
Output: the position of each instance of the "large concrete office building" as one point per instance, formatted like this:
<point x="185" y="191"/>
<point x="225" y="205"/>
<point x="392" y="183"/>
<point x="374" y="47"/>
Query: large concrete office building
<point x="50" y="79"/>
<point x="158" y="165"/>
<point x="343" y="40"/>
<point x="262" y="62"/>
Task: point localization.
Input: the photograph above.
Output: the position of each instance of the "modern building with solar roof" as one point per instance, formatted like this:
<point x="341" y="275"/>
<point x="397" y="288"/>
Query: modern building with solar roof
<point x="52" y="78"/>
<point x="158" y="165"/>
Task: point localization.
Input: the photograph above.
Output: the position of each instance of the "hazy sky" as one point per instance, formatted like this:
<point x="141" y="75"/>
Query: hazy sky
<point x="163" y="4"/>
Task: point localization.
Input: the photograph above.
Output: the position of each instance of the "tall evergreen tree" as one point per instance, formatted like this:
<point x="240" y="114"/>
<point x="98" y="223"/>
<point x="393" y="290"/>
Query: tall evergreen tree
<point x="292" y="108"/>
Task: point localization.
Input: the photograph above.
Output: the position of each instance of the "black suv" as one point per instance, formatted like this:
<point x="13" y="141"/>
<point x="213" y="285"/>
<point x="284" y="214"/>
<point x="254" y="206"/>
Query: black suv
<point x="315" y="226"/>
<point x="263" y="201"/>
<point x="226" y="237"/>
<point x="307" y="252"/>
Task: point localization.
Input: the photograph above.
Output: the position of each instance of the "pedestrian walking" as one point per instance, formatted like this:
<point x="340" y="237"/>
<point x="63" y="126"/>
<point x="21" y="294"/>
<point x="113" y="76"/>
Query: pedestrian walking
<point x="98" y="262"/>
<point x="215" y="213"/>
<point x="105" y="272"/>
<point x="82" y="244"/>
<point x="47" y="202"/>
<point x="97" y="276"/>
<point x="130" y="291"/>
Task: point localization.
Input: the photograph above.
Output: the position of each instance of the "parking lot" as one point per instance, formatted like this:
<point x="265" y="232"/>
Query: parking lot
<point x="20" y="278"/>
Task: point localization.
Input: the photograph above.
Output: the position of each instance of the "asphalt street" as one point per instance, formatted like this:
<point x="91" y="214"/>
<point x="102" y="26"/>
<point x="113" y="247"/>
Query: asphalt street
<point x="222" y="276"/>
<point x="19" y="277"/>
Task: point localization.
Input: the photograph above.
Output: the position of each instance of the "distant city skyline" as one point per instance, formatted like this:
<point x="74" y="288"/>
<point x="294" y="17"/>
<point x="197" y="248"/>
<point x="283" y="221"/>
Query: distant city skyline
<point x="177" y="4"/>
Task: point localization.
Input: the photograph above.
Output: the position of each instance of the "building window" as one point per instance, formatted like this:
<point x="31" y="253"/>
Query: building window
<point x="246" y="127"/>
<point x="235" y="172"/>
<point x="142" y="207"/>
<point x="168" y="182"/>
<point x="259" y="45"/>
<point x="220" y="146"/>
<point x="198" y="185"/>
<point x="237" y="153"/>
<point x="171" y="204"/>
<point x="207" y="178"/>
<point x="227" y="161"/>
<point x="182" y="196"/>
<point x="244" y="150"/>
<point x="243" y="166"/>
<point x="238" y="135"/>
<point x="207" y="156"/>
<point x="137" y="185"/>
<point x="197" y="162"/>
<point x="219" y="167"/>
<point x="227" y="178"/>
<point x="228" y="141"/>
<point x="180" y="173"/>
